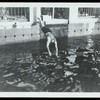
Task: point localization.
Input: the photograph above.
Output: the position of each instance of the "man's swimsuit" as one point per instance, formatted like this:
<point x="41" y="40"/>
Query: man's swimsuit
<point x="48" y="33"/>
<point x="45" y="30"/>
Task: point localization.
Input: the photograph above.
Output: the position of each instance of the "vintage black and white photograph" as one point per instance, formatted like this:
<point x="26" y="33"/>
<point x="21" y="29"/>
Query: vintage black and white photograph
<point x="50" y="47"/>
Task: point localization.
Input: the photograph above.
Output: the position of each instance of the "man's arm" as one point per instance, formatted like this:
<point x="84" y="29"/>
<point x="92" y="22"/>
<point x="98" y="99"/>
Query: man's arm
<point x="56" y="48"/>
<point x="41" y="22"/>
<point x="47" y="45"/>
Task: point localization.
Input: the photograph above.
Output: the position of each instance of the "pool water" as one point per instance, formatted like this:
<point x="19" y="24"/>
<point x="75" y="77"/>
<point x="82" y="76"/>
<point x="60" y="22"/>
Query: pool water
<point x="26" y="67"/>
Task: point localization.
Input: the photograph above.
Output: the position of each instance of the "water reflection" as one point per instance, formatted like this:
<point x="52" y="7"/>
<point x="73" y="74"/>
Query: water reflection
<point x="90" y="42"/>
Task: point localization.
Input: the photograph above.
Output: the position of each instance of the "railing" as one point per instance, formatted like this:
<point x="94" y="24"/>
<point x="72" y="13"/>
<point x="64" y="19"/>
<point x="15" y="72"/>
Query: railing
<point x="14" y="13"/>
<point x="89" y="12"/>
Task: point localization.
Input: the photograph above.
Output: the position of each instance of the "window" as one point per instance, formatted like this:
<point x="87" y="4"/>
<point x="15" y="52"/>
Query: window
<point x="89" y="12"/>
<point x="47" y="11"/>
<point x="56" y="13"/>
<point x="20" y="14"/>
<point x="61" y="13"/>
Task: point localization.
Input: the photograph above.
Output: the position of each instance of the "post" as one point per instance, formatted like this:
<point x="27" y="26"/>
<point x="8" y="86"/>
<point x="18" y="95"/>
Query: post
<point x="31" y="14"/>
<point x="35" y="16"/>
<point x="38" y="12"/>
<point x="53" y="13"/>
<point x="73" y="14"/>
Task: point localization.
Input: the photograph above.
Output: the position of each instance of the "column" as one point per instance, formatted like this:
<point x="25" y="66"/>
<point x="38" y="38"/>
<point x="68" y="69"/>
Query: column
<point x="18" y="11"/>
<point x="73" y="14"/>
<point x="53" y="12"/>
<point x="38" y="12"/>
<point x="31" y="14"/>
<point x="34" y="16"/>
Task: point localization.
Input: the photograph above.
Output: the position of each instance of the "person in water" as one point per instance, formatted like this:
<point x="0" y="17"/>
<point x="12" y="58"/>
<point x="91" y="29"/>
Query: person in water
<point x="50" y="38"/>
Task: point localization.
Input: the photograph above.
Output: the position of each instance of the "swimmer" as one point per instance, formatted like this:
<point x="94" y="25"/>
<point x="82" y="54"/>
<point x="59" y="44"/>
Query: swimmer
<point x="49" y="36"/>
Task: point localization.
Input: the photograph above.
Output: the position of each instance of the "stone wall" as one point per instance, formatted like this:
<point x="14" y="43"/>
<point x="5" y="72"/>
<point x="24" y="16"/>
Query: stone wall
<point x="82" y="29"/>
<point x="96" y="29"/>
<point x="32" y="34"/>
<point x="60" y="31"/>
<point x="16" y="35"/>
<point x="79" y="29"/>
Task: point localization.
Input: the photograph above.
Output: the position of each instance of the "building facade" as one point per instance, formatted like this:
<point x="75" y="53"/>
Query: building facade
<point x="65" y="19"/>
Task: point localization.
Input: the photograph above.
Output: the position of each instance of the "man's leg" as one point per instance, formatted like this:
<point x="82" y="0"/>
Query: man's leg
<point x="47" y="45"/>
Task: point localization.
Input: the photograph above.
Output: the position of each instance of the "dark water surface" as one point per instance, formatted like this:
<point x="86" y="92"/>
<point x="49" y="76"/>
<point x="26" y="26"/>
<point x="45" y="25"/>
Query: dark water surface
<point x="27" y="67"/>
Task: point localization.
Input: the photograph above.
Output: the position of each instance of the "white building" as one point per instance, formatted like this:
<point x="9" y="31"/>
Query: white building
<point x="81" y="18"/>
